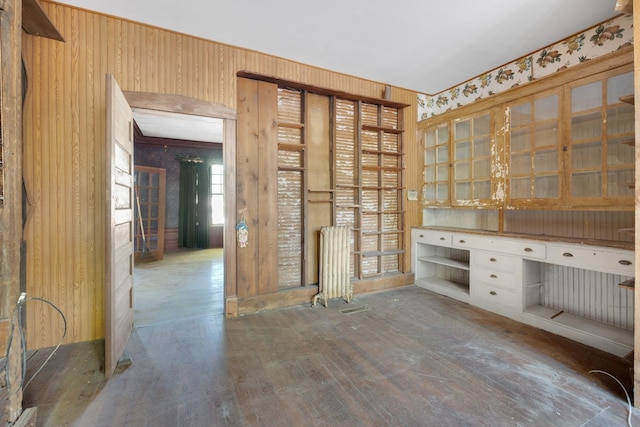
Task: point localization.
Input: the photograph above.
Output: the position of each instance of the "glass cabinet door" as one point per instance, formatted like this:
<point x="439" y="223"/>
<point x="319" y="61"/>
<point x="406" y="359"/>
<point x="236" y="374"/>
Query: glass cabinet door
<point x="436" y="166"/>
<point x="534" y="150"/>
<point x="602" y="140"/>
<point x="472" y="160"/>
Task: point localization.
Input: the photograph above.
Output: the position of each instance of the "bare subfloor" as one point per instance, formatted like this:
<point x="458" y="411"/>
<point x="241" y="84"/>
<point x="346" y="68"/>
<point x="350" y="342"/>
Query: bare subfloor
<point x="411" y="358"/>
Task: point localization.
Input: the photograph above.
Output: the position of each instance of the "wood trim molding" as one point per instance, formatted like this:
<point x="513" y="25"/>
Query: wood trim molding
<point x="319" y="90"/>
<point x="178" y="104"/>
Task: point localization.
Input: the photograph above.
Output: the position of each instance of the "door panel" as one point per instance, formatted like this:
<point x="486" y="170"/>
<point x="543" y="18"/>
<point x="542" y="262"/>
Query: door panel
<point x="119" y="234"/>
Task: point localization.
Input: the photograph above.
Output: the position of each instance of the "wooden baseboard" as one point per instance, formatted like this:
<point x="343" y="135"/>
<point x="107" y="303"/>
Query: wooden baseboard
<point x="27" y="418"/>
<point x="304" y="294"/>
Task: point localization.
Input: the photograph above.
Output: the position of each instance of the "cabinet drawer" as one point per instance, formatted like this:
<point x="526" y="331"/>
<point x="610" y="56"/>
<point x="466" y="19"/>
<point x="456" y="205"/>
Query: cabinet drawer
<point x="494" y="277"/>
<point x="494" y="295"/>
<point x="495" y="261"/>
<point x="617" y="262"/>
<point x="432" y="237"/>
<point x="503" y="245"/>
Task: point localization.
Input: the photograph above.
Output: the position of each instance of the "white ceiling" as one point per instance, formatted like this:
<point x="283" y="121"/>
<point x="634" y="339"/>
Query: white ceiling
<point x="161" y="124"/>
<point x="422" y="45"/>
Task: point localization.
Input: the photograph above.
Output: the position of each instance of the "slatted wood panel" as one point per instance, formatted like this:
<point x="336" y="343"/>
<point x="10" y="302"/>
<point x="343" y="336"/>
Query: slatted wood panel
<point x="589" y="294"/>
<point x="64" y="136"/>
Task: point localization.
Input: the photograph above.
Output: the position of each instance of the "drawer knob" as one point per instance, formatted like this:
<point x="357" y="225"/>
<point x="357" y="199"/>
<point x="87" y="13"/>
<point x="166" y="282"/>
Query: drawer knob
<point x="528" y="250"/>
<point x="442" y="238"/>
<point x="493" y="259"/>
<point x="493" y="293"/>
<point x="493" y="276"/>
<point x="422" y="235"/>
<point x="568" y="254"/>
<point x="462" y="241"/>
<point x="624" y="262"/>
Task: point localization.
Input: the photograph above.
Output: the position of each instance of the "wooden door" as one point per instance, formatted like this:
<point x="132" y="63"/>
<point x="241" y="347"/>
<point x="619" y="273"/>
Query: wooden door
<point x="119" y="234"/>
<point x="150" y="185"/>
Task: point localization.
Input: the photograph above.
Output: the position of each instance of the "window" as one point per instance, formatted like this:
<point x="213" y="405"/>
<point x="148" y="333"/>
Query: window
<point x="217" y="194"/>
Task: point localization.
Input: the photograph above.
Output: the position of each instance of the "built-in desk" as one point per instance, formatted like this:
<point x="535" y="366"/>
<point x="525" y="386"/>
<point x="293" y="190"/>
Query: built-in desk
<point x="567" y="288"/>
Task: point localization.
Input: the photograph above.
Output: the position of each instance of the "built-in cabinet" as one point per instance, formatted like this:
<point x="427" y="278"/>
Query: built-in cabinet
<point x="574" y="290"/>
<point x="564" y="145"/>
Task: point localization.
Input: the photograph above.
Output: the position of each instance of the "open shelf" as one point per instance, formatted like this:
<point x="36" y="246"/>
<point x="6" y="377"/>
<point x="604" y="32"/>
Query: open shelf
<point x="606" y="337"/>
<point x="463" y="265"/>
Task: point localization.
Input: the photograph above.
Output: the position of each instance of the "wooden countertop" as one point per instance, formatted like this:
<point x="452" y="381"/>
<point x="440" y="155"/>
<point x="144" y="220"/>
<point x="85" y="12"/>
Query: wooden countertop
<point x="538" y="237"/>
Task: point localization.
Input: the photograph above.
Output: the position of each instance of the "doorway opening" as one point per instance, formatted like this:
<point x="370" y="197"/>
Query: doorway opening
<point x="185" y="277"/>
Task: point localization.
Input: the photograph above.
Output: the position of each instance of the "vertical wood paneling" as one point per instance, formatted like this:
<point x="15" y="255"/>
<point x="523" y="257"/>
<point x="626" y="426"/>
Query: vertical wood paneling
<point x="591" y="294"/>
<point x="268" y="186"/>
<point x="64" y="138"/>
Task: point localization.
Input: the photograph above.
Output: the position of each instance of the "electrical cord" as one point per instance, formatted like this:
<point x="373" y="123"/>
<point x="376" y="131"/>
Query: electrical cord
<point x="18" y="308"/>
<point x="623" y="389"/>
<point x="64" y="334"/>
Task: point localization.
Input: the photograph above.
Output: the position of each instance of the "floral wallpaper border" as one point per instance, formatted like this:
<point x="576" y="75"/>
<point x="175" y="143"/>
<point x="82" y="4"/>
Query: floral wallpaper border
<point x="592" y="43"/>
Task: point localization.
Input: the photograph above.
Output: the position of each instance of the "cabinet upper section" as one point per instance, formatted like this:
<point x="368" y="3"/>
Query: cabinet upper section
<point x="566" y="144"/>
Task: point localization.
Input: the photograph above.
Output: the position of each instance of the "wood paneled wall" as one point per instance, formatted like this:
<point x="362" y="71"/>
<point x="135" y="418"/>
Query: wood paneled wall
<point x="64" y="143"/>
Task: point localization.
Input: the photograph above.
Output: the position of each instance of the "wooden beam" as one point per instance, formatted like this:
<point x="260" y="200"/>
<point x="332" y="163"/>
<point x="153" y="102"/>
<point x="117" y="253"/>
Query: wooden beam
<point x="178" y="104"/>
<point x="36" y="22"/>
<point x="319" y="90"/>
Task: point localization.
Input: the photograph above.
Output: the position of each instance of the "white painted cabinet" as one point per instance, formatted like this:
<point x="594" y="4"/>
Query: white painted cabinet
<point x="438" y="266"/>
<point x="569" y="289"/>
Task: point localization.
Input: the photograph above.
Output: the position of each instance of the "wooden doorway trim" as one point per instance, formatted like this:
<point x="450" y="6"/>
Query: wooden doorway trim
<point x="197" y="107"/>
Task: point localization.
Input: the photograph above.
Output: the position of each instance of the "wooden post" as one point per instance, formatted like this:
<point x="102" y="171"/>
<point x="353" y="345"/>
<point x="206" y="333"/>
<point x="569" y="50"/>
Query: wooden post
<point x="636" y="67"/>
<point x="11" y="208"/>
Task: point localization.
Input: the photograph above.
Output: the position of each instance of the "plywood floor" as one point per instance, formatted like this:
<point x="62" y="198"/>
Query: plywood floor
<point x="411" y="358"/>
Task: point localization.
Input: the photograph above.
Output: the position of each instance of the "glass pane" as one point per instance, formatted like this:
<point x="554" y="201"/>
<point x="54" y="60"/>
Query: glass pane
<point x="588" y="126"/>
<point x="620" y="119"/>
<point x="520" y="140"/>
<point x="620" y="183"/>
<point x="482" y="125"/>
<point x="429" y="192"/>
<point x="443" y="154"/>
<point x="482" y="190"/>
<point x="463" y="150"/>
<point x="520" y="188"/>
<point x="463" y="130"/>
<point x="430" y="138"/>
<point x="443" y="191"/>
<point x="586" y="97"/>
<point x="481" y="169"/>
<point x="587" y="184"/>
<point x="443" y="173"/>
<point x="586" y="155"/>
<point x="481" y="147"/>
<point x="520" y="115"/>
<point x="429" y="173"/>
<point x="546" y="187"/>
<point x="620" y="152"/>
<point x="463" y="170"/>
<point x="520" y="164"/>
<point x="463" y="191"/>
<point x="443" y="134"/>
<point x="429" y="157"/>
<point x="619" y="86"/>
<point x="546" y="108"/>
<point x="546" y="161"/>
<point x="546" y="134"/>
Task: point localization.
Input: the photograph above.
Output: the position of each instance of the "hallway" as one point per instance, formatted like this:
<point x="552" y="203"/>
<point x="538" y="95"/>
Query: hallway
<point x="184" y="284"/>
